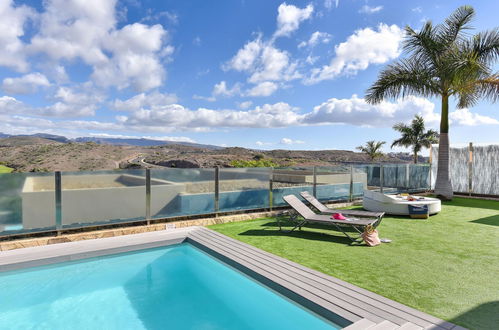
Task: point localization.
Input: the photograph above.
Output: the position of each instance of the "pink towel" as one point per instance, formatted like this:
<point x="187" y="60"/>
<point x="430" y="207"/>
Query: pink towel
<point x="338" y="216"/>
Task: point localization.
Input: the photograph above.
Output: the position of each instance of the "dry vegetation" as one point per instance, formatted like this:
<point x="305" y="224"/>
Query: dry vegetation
<point x="34" y="154"/>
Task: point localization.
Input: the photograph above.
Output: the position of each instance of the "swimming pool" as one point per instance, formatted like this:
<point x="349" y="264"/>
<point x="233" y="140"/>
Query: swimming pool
<point x="174" y="287"/>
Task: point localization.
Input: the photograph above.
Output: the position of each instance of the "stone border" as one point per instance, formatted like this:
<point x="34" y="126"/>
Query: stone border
<point x="104" y="233"/>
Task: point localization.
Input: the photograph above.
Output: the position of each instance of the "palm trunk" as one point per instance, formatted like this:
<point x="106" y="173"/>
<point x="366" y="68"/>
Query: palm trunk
<point x="443" y="185"/>
<point x="415" y="157"/>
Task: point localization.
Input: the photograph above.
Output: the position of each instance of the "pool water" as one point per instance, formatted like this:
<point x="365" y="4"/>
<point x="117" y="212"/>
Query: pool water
<point x="175" y="287"/>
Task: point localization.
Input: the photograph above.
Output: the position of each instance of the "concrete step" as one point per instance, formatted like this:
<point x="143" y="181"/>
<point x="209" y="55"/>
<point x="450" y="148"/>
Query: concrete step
<point x="385" y="325"/>
<point x="410" y="326"/>
<point x="360" y="325"/>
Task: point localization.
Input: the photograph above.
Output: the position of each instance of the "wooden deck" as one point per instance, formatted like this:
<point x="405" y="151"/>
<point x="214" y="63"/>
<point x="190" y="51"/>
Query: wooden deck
<point x="319" y="292"/>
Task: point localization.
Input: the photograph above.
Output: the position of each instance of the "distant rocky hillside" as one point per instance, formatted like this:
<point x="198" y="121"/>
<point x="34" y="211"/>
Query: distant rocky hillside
<point x="54" y="153"/>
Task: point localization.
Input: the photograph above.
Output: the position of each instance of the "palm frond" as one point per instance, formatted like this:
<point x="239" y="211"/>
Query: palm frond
<point x="422" y="45"/>
<point x="455" y="25"/>
<point x="485" y="45"/>
<point x="402" y="78"/>
<point x="489" y="87"/>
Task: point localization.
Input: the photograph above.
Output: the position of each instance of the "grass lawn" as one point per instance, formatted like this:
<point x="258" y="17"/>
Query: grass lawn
<point x="5" y="169"/>
<point x="447" y="266"/>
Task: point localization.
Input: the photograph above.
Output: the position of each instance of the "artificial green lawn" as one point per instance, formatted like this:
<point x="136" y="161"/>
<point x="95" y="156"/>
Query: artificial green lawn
<point x="5" y="169"/>
<point x="447" y="266"/>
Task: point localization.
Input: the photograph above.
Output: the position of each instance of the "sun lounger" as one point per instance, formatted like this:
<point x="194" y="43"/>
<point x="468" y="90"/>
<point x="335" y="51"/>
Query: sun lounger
<point x="309" y="217"/>
<point x="326" y="210"/>
<point x="396" y="204"/>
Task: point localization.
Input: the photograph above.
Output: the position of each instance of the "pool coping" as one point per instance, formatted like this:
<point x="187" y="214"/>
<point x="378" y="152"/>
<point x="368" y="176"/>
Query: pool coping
<point x="323" y="294"/>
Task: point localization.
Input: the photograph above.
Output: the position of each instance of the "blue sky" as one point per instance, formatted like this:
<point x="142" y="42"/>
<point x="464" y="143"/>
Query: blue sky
<point x="258" y="74"/>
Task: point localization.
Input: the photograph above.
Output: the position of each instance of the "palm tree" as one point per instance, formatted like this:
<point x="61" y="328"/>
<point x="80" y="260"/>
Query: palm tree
<point x="415" y="136"/>
<point x="443" y="61"/>
<point x="372" y="149"/>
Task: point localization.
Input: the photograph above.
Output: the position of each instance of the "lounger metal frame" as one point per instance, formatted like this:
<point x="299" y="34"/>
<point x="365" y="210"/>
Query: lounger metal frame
<point x="321" y="208"/>
<point x="299" y="220"/>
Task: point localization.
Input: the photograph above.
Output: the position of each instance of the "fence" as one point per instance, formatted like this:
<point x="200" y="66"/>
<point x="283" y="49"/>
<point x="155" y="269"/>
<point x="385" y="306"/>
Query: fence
<point x="41" y="202"/>
<point x="473" y="169"/>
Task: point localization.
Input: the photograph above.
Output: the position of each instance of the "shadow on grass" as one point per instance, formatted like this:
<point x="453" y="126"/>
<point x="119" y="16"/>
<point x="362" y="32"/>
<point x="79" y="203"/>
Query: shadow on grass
<point x="272" y="229"/>
<point x="491" y="221"/>
<point x="484" y="316"/>
<point x="473" y="203"/>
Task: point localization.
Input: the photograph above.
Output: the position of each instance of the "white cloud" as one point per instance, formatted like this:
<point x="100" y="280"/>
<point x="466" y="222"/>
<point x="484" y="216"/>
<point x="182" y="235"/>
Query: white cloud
<point x="244" y="105"/>
<point x="144" y="100"/>
<point x="316" y="38"/>
<point x="14" y="107"/>
<point x="311" y="59"/>
<point x="263" y="62"/>
<point x="26" y="84"/>
<point x="261" y="144"/>
<point x="290" y="141"/>
<point x="417" y="10"/>
<point x="246" y="57"/>
<point x="289" y="18"/>
<point x="364" y="47"/>
<point x="221" y="89"/>
<point x="10" y="105"/>
<point x="196" y="41"/>
<point x="60" y="109"/>
<point x="265" y="88"/>
<point x="12" y="21"/>
<point x="156" y="138"/>
<point x="328" y="4"/>
<point x="466" y="118"/>
<point x="172" y="18"/>
<point x="179" y="117"/>
<point x="356" y="111"/>
<point x="365" y="9"/>
<point x="127" y="57"/>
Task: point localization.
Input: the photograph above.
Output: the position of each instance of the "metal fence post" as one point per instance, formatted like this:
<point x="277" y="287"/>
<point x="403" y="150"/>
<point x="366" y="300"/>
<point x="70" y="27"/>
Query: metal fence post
<point x="470" y="169"/>
<point x="271" y="188"/>
<point x="407" y="176"/>
<point x="58" y="202"/>
<point x="217" y="190"/>
<point x="350" y="197"/>
<point x="381" y="177"/>
<point x="314" y="187"/>
<point x="148" y="196"/>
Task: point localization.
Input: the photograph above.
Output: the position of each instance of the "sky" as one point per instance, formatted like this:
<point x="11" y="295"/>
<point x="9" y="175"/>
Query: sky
<point x="260" y="74"/>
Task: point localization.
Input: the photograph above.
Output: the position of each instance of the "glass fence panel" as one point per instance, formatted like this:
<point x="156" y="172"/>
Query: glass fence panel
<point x="395" y="178"/>
<point x="333" y="182"/>
<point x="485" y="177"/>
<point x="291" y="180"/>
<point x="419" y="177"/>
<point x="179" y="192"/>
<point x="99" y="197"/>
<point x="360" y="180"/>
<point x="244" y="189"/>
<point x="373" y="174"/>
<point x="27" y="202"/>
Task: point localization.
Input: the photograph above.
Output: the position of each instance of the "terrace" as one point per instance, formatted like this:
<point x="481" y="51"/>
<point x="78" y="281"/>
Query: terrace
<point x="436" y="273"/>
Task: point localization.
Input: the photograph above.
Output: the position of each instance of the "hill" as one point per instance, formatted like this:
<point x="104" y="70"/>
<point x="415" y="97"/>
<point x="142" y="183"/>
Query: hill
<point x="35" y="153"/>
<point x="16" y="141"/>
